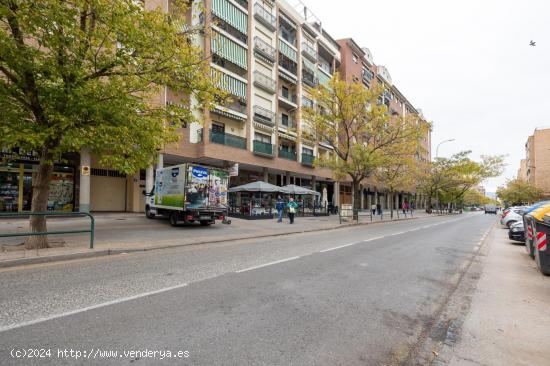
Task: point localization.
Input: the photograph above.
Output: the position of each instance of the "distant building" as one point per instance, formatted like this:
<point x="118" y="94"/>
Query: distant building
<point x="522" y="171"/>
<point x="537" y="161"/>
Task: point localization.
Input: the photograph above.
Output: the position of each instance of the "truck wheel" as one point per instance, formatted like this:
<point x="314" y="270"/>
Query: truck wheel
<point x="174" y="219"/>
<point x="205" y="223"/>
<point x="148" y="213"/>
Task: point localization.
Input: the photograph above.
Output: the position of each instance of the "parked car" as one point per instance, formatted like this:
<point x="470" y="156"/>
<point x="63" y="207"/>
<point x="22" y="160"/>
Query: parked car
<point x="517" y="232"/>
<point x="513" y="215"/>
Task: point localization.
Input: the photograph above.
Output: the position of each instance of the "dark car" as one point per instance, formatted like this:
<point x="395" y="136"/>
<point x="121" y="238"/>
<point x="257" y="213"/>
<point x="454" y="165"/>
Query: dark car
<point x="517" y="232"/>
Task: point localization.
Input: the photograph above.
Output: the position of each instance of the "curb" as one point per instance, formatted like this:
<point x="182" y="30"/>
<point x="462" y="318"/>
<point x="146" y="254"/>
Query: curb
<point x="105" y="252"/>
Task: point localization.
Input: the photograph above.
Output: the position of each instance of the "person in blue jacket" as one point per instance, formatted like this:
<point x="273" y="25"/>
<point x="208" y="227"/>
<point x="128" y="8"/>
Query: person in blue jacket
<point x="292" y="207"/>
<point x="279" y="206"/>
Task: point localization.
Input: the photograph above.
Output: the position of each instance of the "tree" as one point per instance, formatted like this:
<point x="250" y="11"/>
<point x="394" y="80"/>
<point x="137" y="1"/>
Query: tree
<point x="450" y="178"/>
<point x="519" y="191"/>
<point x="473" y="197"/>
<point x="349" y="119"/>
<point x="81" y="73"/>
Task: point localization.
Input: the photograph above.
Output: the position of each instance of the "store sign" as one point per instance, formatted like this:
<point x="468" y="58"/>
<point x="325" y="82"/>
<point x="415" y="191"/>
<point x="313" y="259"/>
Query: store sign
<point x="234" y="170"/>
<point x="18" y="154"/>
<point x="85" y="170"/>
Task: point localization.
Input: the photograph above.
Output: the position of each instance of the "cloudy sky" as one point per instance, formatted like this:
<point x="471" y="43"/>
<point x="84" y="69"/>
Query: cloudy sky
<point x="467" y="64"/>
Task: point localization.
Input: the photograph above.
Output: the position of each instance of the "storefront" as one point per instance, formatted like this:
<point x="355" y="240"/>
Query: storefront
<point x="16" y="178"/>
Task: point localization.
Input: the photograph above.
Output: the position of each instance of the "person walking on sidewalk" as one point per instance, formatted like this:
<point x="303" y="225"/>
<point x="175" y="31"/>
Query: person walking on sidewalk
<point x="279" y="206"/>
<point x="405" y="207"/>
<point x="379" y="208"/>
<point x="292" y="206"/>
<point x="373" y="208"/>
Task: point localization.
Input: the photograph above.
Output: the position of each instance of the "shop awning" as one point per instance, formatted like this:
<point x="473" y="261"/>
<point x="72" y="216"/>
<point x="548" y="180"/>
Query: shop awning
<point x="258" y="186"/>
<point x="294" y="189"/>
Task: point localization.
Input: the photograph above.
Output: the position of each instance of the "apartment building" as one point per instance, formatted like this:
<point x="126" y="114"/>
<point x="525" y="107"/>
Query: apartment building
<point x="522" y="171"/>
<point x="537" y="160"/>
<point x="358" y="66"/>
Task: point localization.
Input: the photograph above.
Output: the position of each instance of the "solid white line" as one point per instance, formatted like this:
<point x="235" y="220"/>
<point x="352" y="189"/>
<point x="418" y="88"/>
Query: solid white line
<point x="338" y="247"/>
<point x="87" y="308"/>
<point x="266" y="264"/>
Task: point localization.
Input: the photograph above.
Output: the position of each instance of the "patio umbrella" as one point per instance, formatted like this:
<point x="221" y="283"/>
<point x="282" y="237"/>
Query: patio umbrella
<point x="258" y="186"/>
<point x="294" y="189"/>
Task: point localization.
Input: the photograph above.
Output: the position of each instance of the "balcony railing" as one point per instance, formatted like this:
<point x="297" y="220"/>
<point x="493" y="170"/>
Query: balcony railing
<point x="287" y="122"/>
<point x="367" y="76"/>
<point x="228" y="139"/>
<point x="309" y="52"/>
<point x="265" y="82"/>
<point x="307" y="159"/>
<point x="264" y="49"/>
<point x="264" y="116"/>
<point x="287" y="64"/>
<point x="287" y="154"/>
<point x="310" y="80"/>
<point x="288" y="96"/>
<point x="265" y="17"/>
<point x="262" y="148"/>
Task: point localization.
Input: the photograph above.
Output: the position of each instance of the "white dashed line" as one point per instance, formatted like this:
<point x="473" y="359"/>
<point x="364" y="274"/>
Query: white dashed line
<point x="338" y="247"/>
<point x="81" y="310"/>
<point x="266" y="264"/>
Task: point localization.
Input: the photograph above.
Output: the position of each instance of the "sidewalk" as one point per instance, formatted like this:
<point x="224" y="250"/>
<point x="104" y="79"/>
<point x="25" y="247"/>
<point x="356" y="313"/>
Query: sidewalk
<point x="509" y="318"/>
<point x="126" y="232"/>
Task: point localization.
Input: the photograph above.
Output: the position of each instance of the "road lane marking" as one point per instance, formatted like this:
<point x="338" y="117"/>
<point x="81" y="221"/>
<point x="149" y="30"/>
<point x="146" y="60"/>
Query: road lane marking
<point x="266" y="264"/>
<point x="375" y="238"/>
<point x="338" y="247"/>
<point x="88" y="308"/>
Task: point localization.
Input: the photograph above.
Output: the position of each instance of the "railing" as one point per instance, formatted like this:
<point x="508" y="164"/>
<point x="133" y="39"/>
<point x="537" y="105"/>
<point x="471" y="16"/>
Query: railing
<point x="310" y="80"/>
<point x="263" y="148"/>
<point x="367" y="76"/>
<point x="57" y="232"/>
<point x="265" y="17"/>
<point x="323" y="65"/>
<point x="289" y="97"/>
<point x="264" y="81"/>
<point x="264" y="48"/>
<point x="228" y="139"/>
<point x="287" y="154"/>
<point x="288" y="64"/>
<point x="243" y="3"/>
<point x="307" y="159"/>
<point x="309" y="51"/>
<point x="264" y="115"/>
<point x="287" y="122"/>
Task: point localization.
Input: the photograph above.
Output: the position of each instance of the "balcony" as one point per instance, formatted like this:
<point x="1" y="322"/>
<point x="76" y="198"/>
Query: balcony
<point x="309" y="52"/>
<point x="265" y="17"/>
<point x="310" y="79"/>
<point x="228" y="139"/>
<point x="262" y="148"/>
<point x="287" y="122"/>
<point x="264" y="82"/>
<point x="287" y="154"/>
<point x="288" y="64"/>
<point x="308" y="159"/>
<point x="264" y="49"/>
<point x="288" y="99"/>
<point x="264" y="116"/>
<point x="367" y="77"/>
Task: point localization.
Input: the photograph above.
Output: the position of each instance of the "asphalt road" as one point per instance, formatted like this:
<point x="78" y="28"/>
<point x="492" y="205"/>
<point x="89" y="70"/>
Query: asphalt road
<point x="358" y="296"/>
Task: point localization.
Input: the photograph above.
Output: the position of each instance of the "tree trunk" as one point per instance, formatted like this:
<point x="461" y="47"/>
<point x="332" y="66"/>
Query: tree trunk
<point x="40" y="190"/>
<point x="391" y="203"/>
<point x="429" y="203"/>
<point x="355" y="197"/>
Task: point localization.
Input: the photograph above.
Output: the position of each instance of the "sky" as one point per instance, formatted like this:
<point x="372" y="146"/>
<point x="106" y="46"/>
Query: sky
<point x="467" y="64"/>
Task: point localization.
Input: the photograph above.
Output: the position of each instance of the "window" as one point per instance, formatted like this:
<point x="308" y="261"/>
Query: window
<point x="307" y="151"/>
<point x="355" y="58"/>
<point x="263" y="138"/>
<point x="218" y="127"/>
<point x="284" y="119"/>
<point x="285" y="92"/>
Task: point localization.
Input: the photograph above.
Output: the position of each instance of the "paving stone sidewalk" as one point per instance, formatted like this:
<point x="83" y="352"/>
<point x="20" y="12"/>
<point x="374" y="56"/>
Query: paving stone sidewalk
<point x="119" y="232"/>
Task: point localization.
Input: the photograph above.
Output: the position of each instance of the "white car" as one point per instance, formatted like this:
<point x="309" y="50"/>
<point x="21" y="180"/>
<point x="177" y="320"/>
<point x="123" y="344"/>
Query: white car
<point x="515" y="214"/>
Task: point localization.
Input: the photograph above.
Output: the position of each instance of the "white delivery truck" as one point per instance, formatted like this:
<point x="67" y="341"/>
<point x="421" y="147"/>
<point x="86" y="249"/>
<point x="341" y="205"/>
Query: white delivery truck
<point x="188" y="193"/>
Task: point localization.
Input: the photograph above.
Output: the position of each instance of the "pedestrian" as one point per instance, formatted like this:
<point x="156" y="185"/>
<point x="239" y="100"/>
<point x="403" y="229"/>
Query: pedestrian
<point x="373" y="208"/>
<point x="405" y="207"/>
<point x="279" y="206"/>
<point x="292" y="206"/>
<point x="379" y="208"/>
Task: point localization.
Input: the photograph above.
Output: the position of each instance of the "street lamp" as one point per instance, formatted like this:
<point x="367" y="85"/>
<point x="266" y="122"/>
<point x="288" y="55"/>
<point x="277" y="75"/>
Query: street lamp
<point x="442" y="142"/>
<point x="436" y="154"/>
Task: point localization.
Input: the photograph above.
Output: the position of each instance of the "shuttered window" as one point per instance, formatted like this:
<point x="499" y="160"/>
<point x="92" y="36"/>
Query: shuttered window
<point x="229" y="83"/>
<point x="223" y="9"/>
<point x="309" y="65"/>
<point x="288" y="51"/>
<point x="229" y="50"/>
<point x="323" y="78"/>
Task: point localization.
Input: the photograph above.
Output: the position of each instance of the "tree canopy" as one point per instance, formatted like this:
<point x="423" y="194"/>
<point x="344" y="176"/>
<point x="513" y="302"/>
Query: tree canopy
<point x="519" y="191"/>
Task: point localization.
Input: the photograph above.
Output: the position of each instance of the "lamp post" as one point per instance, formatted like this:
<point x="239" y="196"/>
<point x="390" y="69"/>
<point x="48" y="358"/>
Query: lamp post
<point x="436" y="155"/>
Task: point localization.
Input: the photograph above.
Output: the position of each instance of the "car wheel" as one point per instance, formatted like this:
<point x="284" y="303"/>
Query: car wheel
<point x="148" y="213"/>
<point x="509" y="223"/>
<point x="174" y="219"/>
